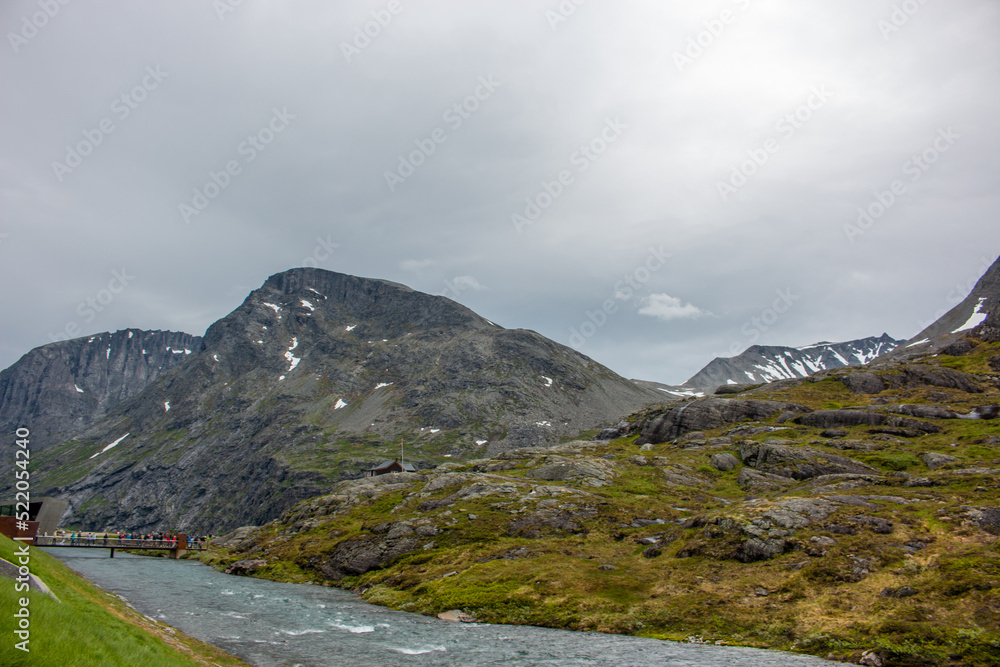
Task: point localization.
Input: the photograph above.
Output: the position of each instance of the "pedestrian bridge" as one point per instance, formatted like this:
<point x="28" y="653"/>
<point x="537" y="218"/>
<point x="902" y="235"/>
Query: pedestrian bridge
<point x="177" y="546"/>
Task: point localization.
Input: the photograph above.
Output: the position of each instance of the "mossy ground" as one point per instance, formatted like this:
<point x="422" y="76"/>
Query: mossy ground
<point x="803" y="600"/>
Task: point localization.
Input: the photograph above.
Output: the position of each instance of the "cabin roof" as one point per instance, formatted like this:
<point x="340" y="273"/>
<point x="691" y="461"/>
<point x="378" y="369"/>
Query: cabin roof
<point x="408" y="467"/>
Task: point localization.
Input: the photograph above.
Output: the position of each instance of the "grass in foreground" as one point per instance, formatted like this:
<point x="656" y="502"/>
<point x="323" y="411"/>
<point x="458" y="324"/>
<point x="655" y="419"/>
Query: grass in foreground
<point x="89" y="626"/>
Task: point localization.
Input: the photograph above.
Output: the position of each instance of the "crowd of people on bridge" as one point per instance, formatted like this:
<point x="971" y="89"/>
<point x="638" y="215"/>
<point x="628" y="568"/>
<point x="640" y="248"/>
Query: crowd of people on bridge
<point x="118" y="538"/>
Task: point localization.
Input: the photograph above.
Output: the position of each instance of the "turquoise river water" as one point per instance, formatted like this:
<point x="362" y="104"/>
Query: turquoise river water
<point x="270" y="623"/>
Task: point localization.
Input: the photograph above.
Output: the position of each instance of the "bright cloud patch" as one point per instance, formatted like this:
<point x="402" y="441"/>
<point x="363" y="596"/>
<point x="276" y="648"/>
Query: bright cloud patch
<point x="416" y="264"/>
<point x="467" y="282"/>
<point x="665" y="307"/>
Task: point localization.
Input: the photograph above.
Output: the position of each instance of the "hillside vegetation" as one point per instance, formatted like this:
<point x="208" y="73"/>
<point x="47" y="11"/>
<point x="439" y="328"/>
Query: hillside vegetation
<point x="801" y="530"/>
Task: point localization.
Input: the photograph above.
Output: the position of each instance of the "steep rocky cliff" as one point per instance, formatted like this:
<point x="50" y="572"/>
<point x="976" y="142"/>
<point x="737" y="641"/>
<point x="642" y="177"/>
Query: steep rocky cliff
<point x="58" y="389"/>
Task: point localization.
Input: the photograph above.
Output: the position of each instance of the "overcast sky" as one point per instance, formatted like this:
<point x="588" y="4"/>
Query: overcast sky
<point x="640" y="180"/>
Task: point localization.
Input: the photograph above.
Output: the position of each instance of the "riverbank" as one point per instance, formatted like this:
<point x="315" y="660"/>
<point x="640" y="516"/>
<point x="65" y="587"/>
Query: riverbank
<point x="89" y="625"/>
<point x="275" y="624"/>
<point x="840" y="542"/>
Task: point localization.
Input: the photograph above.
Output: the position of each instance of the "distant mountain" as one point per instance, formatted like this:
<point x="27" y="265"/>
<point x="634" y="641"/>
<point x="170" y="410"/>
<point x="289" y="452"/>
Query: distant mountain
<point x="977" y="314"/>
<point x="760" y="363"/>
<point x="61" y="388"/>
<point x="316" y="376"/>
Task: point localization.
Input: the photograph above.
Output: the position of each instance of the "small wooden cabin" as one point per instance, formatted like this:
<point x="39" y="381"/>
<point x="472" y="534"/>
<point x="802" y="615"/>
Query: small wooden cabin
<point x="389" y="466"/>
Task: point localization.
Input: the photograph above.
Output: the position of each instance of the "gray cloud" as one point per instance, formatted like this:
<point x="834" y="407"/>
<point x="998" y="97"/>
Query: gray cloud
<point x="807" y="114"/>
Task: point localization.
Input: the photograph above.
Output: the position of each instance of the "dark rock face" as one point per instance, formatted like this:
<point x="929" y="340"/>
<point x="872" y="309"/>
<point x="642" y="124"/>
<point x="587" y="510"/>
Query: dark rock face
<point x="873" y="523"/>
<point x="901" y="592"/>
<point x="353" y="557"/>
<point x="918" y="375"/>
<point x="708" y="413"/>
<point x="544" y="522"/>
<point x="58" y="389"/>
<point x="755" y="549"/>
<point x="245" y="567"/>
<point x="923" y="411"/>
<point x="987" y="518"/>
<point x="863" y="383"/>
<point x="833" y="418"/>
<point x="274" y="404"/>
<point x="760" y="363"/>
<point x="797" y="462"/>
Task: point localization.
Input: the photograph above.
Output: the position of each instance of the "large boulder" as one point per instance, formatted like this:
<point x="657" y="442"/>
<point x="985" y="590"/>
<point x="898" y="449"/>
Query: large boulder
<point x="924" y="411"/>
<point x="754" y="480"/>
<point x="360" y="555"/>
<point x="707" y="413"/>
<point x="934" y="460"/>
<point x="724" y="461"/>
<point x="799" y="463"/>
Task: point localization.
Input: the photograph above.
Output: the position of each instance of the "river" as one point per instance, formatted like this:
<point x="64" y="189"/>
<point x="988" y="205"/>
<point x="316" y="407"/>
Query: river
<point x="270" y="623"/>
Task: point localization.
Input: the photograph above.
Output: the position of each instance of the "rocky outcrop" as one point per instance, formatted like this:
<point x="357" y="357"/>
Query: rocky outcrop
<point x="833" y="418"/>
<point x="863" y="383"/>
<point x="780" y="457"/>
<point x="357" y="556"/>
<point x="916" y="375"/>
<point x="708" y="413"/>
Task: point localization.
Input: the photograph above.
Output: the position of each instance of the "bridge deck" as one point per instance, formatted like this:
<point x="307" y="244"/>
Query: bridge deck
<point x="114" y="543"/>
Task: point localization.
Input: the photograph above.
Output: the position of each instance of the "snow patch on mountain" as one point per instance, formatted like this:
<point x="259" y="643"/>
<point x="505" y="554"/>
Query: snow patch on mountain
<point x="977" y="317"/>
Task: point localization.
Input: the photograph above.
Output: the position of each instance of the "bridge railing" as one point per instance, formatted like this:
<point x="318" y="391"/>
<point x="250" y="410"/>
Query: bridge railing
<point x="115" y="542"/>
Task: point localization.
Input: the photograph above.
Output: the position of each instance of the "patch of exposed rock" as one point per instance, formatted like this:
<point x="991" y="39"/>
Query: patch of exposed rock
<point x="780" y="457"/>
<point x="833" y="418"/>
<point x="708" y="413"/>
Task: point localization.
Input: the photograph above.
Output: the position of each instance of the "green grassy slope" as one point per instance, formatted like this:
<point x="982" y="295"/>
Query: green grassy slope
<point x="89" y="626"/>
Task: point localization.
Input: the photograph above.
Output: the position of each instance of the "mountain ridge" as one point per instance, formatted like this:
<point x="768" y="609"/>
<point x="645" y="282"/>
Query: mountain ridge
<point x="315" y="376"/>
<point x="767" y="363"/>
